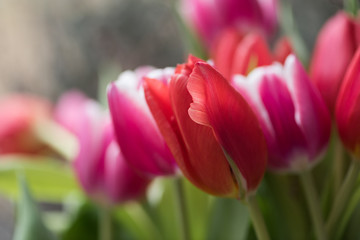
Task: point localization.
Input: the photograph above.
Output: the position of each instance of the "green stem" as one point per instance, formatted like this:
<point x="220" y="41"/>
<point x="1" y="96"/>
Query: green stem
<point x="338" y="165"/>
<point x="314" y="204"/>
<point x="343" y="194"/>
<point x="353" y="203"/>
<point x="257" y="219"/>
<point x="104" y="223"/>
<point x="181" y="209"/>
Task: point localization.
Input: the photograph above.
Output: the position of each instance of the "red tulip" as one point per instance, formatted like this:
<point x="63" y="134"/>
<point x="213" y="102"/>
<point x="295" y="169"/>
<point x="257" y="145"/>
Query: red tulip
<point x="292" y="113"/>
<point x="204" y="121"/>
<point x="99" y="165"/>
<point x="19" y="116"/>
<point x="348" y="107"/>
<point x="334" y="49"/>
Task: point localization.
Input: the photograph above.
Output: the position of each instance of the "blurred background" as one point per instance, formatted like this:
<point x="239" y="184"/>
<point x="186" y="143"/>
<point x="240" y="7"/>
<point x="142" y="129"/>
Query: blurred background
<point x="47" y="47"/>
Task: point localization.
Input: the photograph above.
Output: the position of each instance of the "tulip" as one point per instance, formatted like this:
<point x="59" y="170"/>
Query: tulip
<point x="348" y="108"/>
<point x="20" y="114"/>
<point x="207" y="126"/>
<point x="210" y="18"/>
<point x="99" y="165"/>
<point x="136" y="131"/>
<point x="293" y="116"/>
<point x="334" y="49"/>
<point x="234" y="53"/>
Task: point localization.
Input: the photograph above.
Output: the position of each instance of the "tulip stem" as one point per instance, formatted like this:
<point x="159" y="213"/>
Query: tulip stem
<point x="351" y="6"/>
<point x="314" y="204"/>
<point x="343" y="194"/>
<point x="104" y="223"/>
<point x="181" y="209"/>
<point x="257" y="219"/>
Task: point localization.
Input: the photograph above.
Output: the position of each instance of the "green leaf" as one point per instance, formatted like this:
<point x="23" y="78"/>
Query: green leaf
<point x="49" y="180"/>
<point x="29" y="221"/>
<point x="229" y="220"/>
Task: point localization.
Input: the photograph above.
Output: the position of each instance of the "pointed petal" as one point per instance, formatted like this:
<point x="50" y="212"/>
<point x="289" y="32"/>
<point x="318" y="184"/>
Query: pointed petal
<point x="283" y="48"/>
<point x="206" y="165"/>
<point x="311" y="114"/>
<point x="223" y="51"/>
<point x="251" y="52"/>
<point x="333" y="52"/>
<point x="217" y="105"/>
<point x="348" y="107"/>
<point x="136" y="131"/>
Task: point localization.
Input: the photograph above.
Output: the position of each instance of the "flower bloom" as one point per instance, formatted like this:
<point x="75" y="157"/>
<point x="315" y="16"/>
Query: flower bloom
<point x="210" y="18"/>
<point x="348" y="108"/>
<point x="204" y="121"/>
<point x="293" y="116"/>
<point x="99" y="165"/>
<point x="235" y="53"/>
<point x="136" y="131"/>
<point x="19" y="116"/>
<point x="334" y="49"/>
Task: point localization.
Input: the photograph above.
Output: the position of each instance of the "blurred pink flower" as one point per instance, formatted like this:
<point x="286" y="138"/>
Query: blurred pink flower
<point x="210" y="17"/>
<point x="100" y="165"/>
<point x="19" y="115"/>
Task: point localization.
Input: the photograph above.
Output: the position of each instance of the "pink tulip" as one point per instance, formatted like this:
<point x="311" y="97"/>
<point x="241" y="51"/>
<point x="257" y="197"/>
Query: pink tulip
<point x="210" y="17"/>
<point x="348" y="108"/>
<point x="136" y="131"/>
<point x="19" y="115"/>
<point x="293" y="116"/>
<point x="99" y="165"/>
<point x="334" y="49"/>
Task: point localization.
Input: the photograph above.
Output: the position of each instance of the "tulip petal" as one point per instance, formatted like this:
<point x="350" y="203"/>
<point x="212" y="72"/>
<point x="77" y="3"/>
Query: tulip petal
<point x="348" y="107"/>
<point x="224" y="49"/>
<point x="122" y="183"/>
<point x="251" y="52"/>
<point x="283" y="48"/>
<point x="218" y="106"/>
<point x="311" y="113"/>
<point x="206" y="166"/>
<point x="137" y="133"/>
<point x="333" y="52"/>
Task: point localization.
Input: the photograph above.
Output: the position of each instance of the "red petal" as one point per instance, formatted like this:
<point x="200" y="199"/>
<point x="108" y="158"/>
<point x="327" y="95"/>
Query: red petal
<point x="206" y="165"/>
<point x="252" y="52"/>
<point x="348" y="107"/>
<point x="283" y="48"/>
<point x="218" y="105"/>
<point x="223" y="51"/>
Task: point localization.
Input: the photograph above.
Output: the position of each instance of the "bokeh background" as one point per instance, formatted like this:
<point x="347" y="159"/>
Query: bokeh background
<point x="49" y="46"/>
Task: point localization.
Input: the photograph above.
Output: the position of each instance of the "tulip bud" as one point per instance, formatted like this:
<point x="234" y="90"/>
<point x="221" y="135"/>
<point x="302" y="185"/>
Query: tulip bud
<point x="19" y="116"/>
<point x="204" y="121"/>
<point x="293" y="116"/>
<point x="348" y="107"/>
<point x="135" y="129"/>
<point x="99" y="165"/>
<point x="334" y="49"/>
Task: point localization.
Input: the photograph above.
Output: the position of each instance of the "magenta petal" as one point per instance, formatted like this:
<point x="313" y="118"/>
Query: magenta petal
<point x="136" y="131"/>
<point x="85" y="119"/>
<point x="288" y="142"/>
<point x="312" y="114"/>
<point x="122" y="183"/>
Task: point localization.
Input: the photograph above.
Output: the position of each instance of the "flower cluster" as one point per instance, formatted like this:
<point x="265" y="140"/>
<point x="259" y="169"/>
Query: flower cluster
<point x="223" y="123"/>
